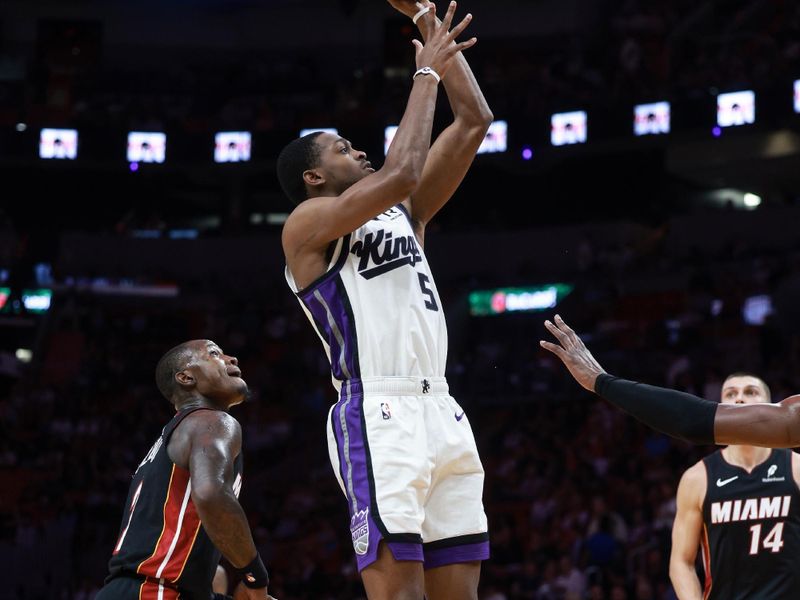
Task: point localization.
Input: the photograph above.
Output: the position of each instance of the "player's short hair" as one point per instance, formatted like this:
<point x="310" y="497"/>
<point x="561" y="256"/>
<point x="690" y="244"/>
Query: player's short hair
<point x="298" y="156"/>
<point x="173" y="361"/>
<point x="767" y="391"/>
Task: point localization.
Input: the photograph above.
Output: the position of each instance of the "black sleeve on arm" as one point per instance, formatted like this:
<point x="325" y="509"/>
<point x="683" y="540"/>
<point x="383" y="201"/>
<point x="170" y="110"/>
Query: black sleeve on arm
<point x="675" y="413"/>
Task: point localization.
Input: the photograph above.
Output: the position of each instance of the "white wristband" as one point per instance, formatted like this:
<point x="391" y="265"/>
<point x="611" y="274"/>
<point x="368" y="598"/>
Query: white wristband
<point x="423" y="11"/>
<point x="427" y="71"/>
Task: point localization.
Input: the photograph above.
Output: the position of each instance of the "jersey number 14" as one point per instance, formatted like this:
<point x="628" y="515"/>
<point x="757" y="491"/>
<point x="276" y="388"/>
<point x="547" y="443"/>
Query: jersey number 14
<point x="773" y="540"/>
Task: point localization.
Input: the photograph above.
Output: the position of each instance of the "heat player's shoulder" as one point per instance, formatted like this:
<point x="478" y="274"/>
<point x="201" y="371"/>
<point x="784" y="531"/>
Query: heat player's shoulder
<point x="210" y="421"/>
<point x="694" y="480"/>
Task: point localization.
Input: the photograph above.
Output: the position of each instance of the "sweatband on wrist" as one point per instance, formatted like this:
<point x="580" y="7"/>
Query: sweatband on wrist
<point x="423" y="11"/>
<point x="255" y="574"/>
<point x="677" y="414"/>
<point x="427" y="71"/>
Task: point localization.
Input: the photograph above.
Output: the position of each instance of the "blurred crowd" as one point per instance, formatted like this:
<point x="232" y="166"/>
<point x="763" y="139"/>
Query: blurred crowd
<point x="580" y="498"/>
<point x="634" y="51"/>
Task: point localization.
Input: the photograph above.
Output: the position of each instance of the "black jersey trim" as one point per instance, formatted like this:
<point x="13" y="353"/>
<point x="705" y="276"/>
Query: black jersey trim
<point x="459" y="540"/>
<point x="178" y="419"/>
<point x="402" y="207"/>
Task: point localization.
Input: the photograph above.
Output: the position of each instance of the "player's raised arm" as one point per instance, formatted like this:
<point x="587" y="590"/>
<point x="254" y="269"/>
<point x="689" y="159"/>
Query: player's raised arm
<point x="454" y="150"/>
<point x="342" y="198"/>
<point x="686" y="531"/>
<point x="676" y="413"/>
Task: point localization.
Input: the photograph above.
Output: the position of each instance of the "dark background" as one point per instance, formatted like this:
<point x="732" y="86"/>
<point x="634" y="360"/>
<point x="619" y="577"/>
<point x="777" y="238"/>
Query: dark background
<point x="652" y="232"/>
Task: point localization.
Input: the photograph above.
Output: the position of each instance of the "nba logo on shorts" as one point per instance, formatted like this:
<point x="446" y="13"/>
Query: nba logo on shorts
<point x="386" y="413"/>
<point x="359" y="529"/>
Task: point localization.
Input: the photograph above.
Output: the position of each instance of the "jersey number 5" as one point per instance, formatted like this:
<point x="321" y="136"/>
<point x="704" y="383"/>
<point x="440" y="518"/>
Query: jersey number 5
<point x="424" y="285"/>
<point x="773" y="541"/>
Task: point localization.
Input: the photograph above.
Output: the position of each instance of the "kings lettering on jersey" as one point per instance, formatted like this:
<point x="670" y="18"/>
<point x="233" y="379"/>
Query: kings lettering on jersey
<point x="380" y="253"/>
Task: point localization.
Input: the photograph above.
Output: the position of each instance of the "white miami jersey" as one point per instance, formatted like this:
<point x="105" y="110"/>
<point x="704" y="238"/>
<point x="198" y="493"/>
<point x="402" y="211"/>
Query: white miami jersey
<point x="376" y="309"/>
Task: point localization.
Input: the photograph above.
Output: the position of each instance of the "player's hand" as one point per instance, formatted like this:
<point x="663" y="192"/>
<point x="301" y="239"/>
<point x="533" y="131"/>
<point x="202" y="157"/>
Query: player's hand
<point x="573" y="353"/>
<point x="440" y="50"/>
<point x="242" y="592"/>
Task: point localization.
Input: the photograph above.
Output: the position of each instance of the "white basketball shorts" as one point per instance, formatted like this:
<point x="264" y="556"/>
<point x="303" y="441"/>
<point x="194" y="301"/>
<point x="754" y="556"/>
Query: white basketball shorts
<point x="405" y="456"/>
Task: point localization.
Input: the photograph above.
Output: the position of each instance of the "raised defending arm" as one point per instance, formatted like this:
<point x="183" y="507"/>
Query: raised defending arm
<point x="676" y="413"/>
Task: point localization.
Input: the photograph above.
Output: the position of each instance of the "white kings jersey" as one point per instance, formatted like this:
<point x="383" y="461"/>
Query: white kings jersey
<point x="376" y="309"/>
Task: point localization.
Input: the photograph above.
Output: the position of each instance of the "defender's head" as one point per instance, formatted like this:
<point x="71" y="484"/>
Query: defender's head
<point x="744" y="388"/>
<point x="320" y="164"/>
<point x="200" y="368"/>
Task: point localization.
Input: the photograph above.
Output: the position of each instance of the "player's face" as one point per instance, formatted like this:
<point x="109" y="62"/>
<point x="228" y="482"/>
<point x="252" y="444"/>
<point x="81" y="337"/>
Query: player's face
<point x="217" y="375"/>
<point x="342" y="164"/>
<point x="743" y="390"/>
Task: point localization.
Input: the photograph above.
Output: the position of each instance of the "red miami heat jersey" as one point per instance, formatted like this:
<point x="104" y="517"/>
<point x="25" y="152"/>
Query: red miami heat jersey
<point x="751" y="537"/>
<point x="161" y="540"/>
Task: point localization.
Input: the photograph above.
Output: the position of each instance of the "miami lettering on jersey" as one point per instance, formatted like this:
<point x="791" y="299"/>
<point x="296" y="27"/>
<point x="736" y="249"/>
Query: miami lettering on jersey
<point x="752" y="509"/>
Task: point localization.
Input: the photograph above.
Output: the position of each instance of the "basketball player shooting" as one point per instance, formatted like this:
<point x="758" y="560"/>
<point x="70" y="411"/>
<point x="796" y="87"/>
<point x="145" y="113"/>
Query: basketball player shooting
<point x="674" y="413"/>
<point x="400" y="445"/>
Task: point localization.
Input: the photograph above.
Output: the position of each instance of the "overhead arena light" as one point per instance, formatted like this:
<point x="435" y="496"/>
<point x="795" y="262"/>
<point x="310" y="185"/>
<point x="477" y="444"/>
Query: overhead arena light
<point x="651" y="119"/>
<point x="58" y="144"/>
<point x="568" y="128"/>
<point x="147" y="146"/>
<point x="388" y="136"/>
<point x="751" y="200"/>
<point x="496" y="139"/>
<point x="797" y="96"/>
<point x="232" y="146"/>
<point x="736" y="108"/>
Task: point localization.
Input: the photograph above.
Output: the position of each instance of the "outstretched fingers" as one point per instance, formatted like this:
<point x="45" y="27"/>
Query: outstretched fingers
<point x="554" y="348"/>
<point x="458" y="29"/>
<point x="560" y="335"/>
<point x="448" y="17"/>
<point x="464" y="45"/>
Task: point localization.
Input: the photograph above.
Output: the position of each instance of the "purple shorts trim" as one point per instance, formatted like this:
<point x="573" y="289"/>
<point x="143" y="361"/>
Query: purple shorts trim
<point x="456" y="554"/>
<point x="406" y="551"/>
